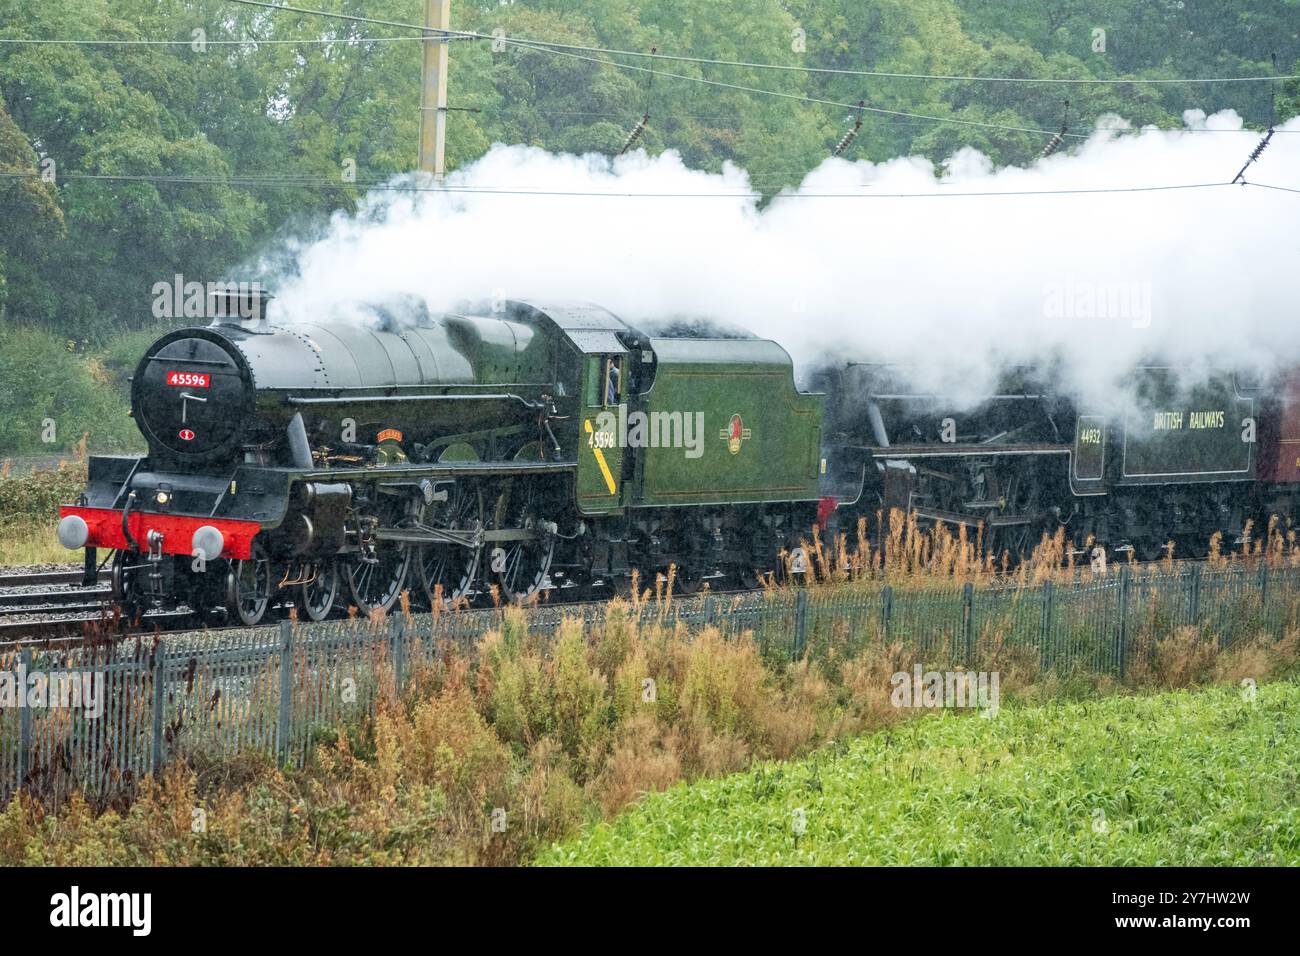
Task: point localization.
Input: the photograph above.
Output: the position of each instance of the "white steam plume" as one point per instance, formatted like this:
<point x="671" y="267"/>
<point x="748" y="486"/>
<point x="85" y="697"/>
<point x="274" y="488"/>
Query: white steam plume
<point x="956" y="286"/>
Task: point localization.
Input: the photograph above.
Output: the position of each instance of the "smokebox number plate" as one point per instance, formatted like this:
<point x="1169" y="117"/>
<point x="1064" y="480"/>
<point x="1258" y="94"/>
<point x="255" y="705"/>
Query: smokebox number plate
<point x="189" y="379"/>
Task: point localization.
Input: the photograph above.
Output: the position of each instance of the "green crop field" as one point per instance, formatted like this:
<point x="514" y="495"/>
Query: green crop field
<point x="1181" y="778"/>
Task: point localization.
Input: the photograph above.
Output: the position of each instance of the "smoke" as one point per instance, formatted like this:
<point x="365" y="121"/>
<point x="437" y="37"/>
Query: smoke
<point x="958" y="287"/>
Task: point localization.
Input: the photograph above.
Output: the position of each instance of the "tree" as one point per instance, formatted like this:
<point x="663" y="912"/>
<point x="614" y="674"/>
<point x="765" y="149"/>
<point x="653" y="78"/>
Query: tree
<point x="33" y="220"/>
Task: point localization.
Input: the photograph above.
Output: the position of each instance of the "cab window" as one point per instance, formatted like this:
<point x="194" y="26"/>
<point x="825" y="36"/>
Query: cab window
<point x="612" y="381"/>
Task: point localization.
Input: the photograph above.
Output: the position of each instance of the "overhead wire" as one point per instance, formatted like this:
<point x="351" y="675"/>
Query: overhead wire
<point x="560" y="49"/>
<point x="707" y="61"/>
<point x="250" y="41"/>
<point x="420" y="187"/>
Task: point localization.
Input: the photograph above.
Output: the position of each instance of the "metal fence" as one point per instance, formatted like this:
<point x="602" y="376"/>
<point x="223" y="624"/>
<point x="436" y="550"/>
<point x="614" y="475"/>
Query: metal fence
<point x="277" y="691"/>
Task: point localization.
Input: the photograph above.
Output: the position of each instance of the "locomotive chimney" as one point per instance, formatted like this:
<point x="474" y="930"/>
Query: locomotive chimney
<point x="239" y="303"/>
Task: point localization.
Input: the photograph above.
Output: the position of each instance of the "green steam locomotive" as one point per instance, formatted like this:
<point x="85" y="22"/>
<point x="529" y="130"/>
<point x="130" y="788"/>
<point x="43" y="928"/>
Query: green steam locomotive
<point x="524" y="447"/>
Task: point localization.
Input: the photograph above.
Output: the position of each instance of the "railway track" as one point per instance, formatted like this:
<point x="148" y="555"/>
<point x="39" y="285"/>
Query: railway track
<point x="12" y="581"/>
<point x="75" y="628"/>
<point x="54" y="606"/>
<point x="50" y="603"/>
<point x="82" y="599"/>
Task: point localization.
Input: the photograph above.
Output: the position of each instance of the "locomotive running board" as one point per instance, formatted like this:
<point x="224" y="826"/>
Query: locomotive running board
<point x="437" y="470"/>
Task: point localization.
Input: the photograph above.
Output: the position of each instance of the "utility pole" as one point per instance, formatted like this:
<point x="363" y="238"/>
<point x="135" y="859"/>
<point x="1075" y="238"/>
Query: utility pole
<point x="433" y="96"/>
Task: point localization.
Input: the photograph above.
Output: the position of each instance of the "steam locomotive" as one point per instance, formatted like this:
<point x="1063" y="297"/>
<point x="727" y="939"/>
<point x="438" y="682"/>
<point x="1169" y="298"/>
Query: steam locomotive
<point x="1177" y="457"/>
<point x="520" y="447"/>
<point x="530" y="446"/>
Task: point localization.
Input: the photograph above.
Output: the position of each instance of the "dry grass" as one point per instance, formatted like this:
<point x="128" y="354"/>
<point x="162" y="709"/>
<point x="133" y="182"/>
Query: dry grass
<point x="897" y="548"/>
<point x="22" y="545"/>
<point x="29" y="510"/>
<point x="1191" y="658"/>
<point x="554" y="732"/>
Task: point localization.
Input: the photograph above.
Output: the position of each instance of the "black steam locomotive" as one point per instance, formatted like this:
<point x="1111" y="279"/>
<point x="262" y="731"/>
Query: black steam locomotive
<point x="1177" y="458"/>
<point x="520" y="447"/>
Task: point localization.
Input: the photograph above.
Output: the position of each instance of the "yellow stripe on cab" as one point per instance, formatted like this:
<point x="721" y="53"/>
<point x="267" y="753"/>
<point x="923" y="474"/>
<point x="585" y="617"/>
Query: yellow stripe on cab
<point x="600" y="458"/>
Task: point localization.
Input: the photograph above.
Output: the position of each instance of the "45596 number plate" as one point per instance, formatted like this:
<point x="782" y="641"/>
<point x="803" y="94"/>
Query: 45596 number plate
<point x="189" y="379"/>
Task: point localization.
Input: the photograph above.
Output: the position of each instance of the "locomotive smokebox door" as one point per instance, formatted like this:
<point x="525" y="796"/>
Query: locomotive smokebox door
<point x="603" y="431"/>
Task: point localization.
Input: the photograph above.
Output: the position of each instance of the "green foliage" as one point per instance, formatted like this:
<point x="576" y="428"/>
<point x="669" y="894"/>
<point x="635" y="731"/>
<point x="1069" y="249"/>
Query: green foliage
<point x="29" y="511"/>
<point x="1176" y="779"/>
<point x="24" y="498"/>
<point x="29" y="212"/>
<point x="51" y="396"/>
<point x="121" y="354"/>
<point x="1288" y="101"/>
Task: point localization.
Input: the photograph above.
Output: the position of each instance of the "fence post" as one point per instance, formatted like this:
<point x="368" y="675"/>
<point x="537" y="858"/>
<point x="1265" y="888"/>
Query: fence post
<point x="1045" y="627"/>
<point x="396" y="633"/>
<point x="286" y="691"/>
<point x="800" y="622"/>
<point x="24" y="722"/>
<point x="709" y="609"/>
<point x="967" y="621"/>
<point x="1121" y="638"/>
<point x="886" y="612"/>
<point x="1194" y="597"/>
<point x="156" y="665"/>
<point x="1263" y="591"/>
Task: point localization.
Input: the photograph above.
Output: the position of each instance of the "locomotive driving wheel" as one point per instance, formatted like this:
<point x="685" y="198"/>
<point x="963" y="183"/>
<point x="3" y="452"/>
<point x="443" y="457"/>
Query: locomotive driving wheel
<point x="317" y="595"/>
<point x="521" y="566"/>
<point x="126" y="593"/>
<point x="376" y="574"/>
<point x="448" y="571"/>
<point x="249" y="587"/>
